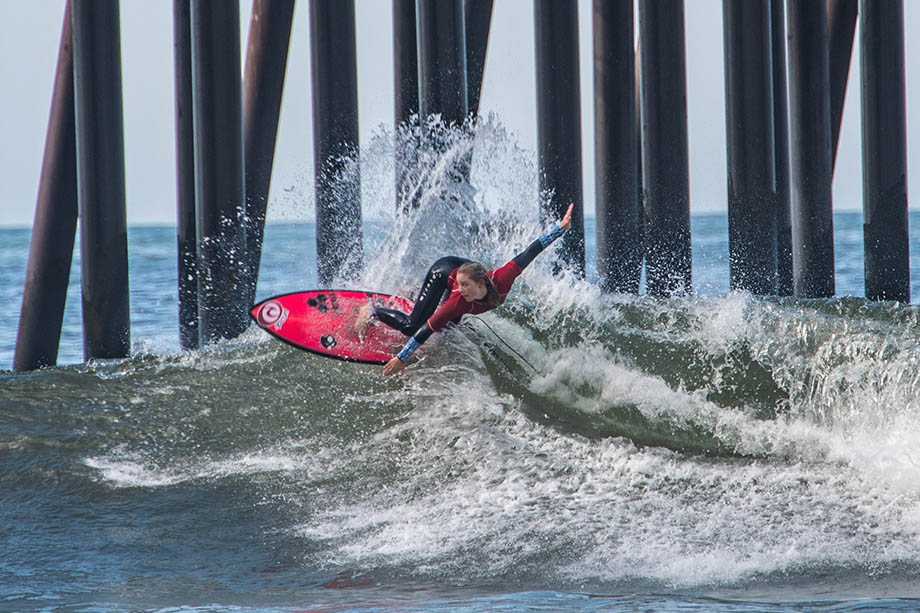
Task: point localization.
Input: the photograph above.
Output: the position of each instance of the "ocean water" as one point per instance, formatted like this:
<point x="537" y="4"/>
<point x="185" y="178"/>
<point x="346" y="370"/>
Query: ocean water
<point x="570" y="451"/>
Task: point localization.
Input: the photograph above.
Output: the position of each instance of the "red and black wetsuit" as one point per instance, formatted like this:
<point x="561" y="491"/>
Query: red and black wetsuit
<point x="439" y="301"/>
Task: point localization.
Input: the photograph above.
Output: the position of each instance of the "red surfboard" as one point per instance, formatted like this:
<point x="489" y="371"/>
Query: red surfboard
<point x="320" y="321"/>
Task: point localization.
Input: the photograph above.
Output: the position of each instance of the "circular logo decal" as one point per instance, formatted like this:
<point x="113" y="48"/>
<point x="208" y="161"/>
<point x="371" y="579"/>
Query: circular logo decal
<point x="270" y="313"/>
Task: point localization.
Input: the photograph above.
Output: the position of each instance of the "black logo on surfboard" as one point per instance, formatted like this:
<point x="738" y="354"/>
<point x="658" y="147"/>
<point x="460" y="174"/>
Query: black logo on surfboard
<point x="319" y="303"/>
<point x="327" y="341"/>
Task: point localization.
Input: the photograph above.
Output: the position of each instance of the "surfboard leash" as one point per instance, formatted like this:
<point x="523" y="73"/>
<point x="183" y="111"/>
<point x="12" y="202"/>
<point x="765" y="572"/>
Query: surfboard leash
<point x="512" y="349"/>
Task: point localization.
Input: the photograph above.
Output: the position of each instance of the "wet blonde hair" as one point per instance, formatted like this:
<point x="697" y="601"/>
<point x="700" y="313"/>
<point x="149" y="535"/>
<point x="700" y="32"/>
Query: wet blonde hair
<point x="476" y="272"/>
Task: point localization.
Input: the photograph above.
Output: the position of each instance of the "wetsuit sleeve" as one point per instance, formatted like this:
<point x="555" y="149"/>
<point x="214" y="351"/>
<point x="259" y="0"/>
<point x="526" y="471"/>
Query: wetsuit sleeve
<point x="414" y="342"/>
<point x="536" y="248"/>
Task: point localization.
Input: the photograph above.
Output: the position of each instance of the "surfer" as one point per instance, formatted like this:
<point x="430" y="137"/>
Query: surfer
<point x="452" y="288"/>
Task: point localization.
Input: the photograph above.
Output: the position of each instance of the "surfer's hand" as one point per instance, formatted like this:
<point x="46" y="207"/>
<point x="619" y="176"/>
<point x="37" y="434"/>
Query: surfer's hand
<point x="394" y="366"/>
<point x="567" y="218"/>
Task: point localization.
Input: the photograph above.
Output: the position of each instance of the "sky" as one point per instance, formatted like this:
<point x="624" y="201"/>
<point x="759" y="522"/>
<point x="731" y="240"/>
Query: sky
<point x="28" y="55"/>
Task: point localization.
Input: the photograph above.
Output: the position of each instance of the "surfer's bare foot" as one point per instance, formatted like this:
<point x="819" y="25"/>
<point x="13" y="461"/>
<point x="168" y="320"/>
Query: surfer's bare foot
<point x="362" y="321"/>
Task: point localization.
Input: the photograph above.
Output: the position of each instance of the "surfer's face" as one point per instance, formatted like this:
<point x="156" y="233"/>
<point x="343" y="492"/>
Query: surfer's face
<point x="469" y="289"/>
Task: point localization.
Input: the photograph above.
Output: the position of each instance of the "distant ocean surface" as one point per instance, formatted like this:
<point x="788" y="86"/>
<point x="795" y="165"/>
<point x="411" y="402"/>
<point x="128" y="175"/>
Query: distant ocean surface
<point x="570" y="451"/>
<point x="289" y="261"/>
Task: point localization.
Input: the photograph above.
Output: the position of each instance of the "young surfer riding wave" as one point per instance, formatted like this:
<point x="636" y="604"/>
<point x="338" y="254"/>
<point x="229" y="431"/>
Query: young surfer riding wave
<point x="452" y="288"/>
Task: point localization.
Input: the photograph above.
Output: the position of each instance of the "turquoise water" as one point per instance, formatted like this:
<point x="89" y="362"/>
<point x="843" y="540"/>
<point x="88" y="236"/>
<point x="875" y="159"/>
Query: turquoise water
<point x="717" y="452"/>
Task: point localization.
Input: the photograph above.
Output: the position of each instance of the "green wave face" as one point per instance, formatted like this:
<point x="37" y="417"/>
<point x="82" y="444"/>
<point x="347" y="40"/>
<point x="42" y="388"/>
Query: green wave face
<point x="733" y="375"/>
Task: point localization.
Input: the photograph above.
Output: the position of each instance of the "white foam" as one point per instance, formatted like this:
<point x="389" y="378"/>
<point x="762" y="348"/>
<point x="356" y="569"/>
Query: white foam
<point x="614" y="512"/>
<point x="128" y="473"/>
<point x="132" y="469"/>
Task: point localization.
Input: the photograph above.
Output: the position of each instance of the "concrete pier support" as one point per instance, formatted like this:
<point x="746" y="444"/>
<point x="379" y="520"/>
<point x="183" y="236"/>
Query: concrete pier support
<point x="339" y="242"/>
<point x="749" y="139"/>
<point x="55" y="226"/>
<point x="405" y="61"/>
<point x="263" y="86"/>
<point x="559" y="121"/>
<point x="810" y="130"/>
<point x="222" y="257"/>
<point x="478" y="19"/>
<point x="616" y="146"/>
<point x="405" y="97"/>
<point x="665" y="162"/>
<point x="884" y="150"/>
<point x="101" y="179"/>
<point x="186" y="224"/>
<point x="443" y="87"/>
<point x="442" y="60"/>
<point x="784" y="285"/>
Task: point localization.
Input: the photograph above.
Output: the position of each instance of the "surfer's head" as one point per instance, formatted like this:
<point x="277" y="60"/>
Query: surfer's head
<point x="474" y="284"/>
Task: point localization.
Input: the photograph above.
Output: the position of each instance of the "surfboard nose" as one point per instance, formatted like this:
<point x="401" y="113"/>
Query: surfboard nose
<point x="269" y="314"/>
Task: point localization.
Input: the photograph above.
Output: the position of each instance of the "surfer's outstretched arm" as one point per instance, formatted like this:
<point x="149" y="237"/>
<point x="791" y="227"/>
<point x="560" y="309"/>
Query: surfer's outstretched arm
<point x="535" y="248"/>
<point x="509" y="271"/>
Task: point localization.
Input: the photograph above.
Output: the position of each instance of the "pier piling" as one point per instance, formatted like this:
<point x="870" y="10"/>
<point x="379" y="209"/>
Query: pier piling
<point x="784" y="284"/>
<point x="443" y="86"/>
<point x="55" y="225"/>
<point x="442" y="60"/>
<point x="559" y="122"/>
<point x="841" y="29"/>
<point x="749" y="134"/>
<point x="405" y="96"/>
<point x="101" y="178"/>
<point x="263" y="86"/>
<point x="186" y="224"/>
<point x="222" y="257"/>
<point x="405" y="61"/>
<point x="616" y="146"/>
<point x="339" y="241"/>
<point x="665" y="164"/>
<point x="885" y="236"/>
<point x="810" y="136"/>
<point x="478" y="20"/>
